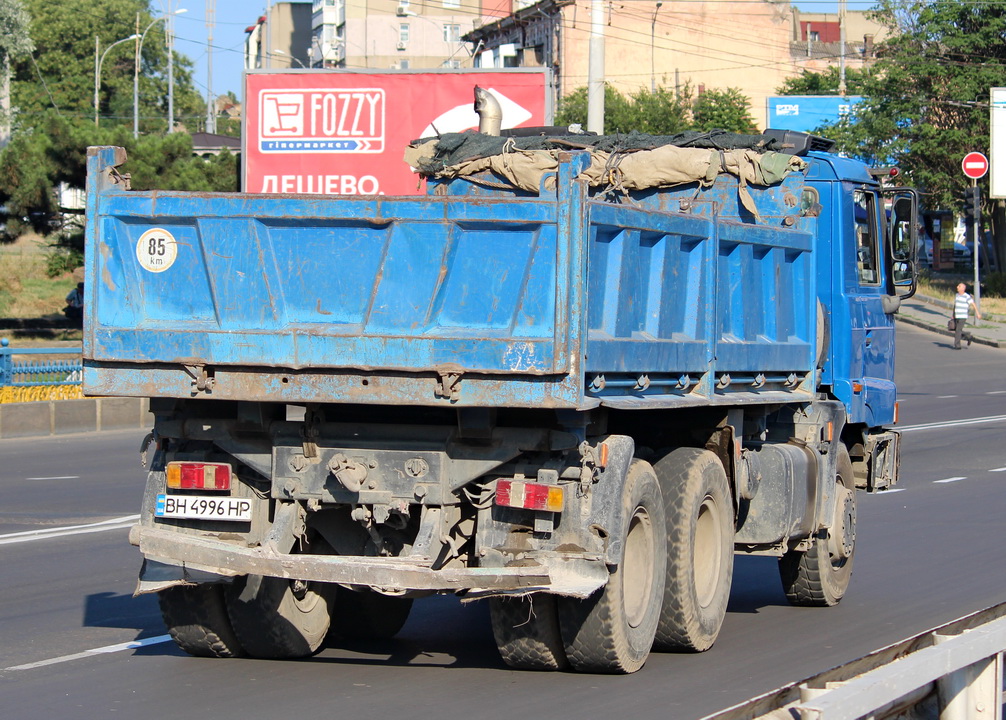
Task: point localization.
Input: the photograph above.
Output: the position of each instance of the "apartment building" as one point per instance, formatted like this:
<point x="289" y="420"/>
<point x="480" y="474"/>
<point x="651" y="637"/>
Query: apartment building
<point x="750" y="45"/>
<point x="753" y="46"/>
<point x="398" y="34"/>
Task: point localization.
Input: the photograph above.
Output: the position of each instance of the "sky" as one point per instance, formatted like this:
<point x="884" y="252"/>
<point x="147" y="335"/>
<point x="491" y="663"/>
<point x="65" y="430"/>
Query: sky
<point x="233" y="16"/>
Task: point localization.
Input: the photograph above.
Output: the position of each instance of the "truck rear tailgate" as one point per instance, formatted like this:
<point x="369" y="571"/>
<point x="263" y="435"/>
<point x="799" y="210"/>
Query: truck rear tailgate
<point x="400" y="284"/>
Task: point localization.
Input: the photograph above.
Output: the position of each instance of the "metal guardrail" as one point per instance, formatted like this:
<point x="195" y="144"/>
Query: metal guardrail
<point x="39" y="368"/>
<point x="953" y="672"/>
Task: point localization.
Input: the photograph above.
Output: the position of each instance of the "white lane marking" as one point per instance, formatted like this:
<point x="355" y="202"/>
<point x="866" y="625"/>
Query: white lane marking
<point x="953" y="423"/>
<point x="1002" y="469"/>
<point x="157" y="640"/>
<point x="995" y="392"/>
<point x="945" y="397"/>
<point x="949" y="480"/>
<point x="56" y="477"/>
<point x="46" y="533"/>
<point x="891" y="491"/>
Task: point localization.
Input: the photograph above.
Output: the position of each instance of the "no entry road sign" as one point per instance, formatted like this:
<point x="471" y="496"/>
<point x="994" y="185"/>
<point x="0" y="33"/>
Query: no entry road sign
<point x="975" y="165"/>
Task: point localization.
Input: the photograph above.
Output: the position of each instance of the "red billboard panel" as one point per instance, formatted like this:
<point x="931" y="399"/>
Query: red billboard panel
<point x="345" y="132"/>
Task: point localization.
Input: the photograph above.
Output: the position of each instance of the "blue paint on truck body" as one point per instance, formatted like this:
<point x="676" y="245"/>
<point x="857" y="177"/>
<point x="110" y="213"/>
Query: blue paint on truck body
<point x="488" y="298"/>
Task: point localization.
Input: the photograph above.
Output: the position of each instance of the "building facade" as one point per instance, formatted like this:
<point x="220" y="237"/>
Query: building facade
<point x="398" y="34"/>
<point x="281" y="38"/>
<point x="751" y="46"/>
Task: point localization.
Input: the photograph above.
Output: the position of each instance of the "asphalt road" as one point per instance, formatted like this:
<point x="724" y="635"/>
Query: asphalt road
<point x="926" y="554"/>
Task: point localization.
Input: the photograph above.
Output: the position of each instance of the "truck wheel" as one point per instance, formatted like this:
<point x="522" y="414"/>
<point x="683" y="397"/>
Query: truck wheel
<point x="612" y="631"/>
<point x="196" y="617"/>
<point x="527" y="632"/>
<point x="364" y="614"/>
<point x="820" y="576"/>
<point x="276" y="618"/>
<point x="700" y="549"/>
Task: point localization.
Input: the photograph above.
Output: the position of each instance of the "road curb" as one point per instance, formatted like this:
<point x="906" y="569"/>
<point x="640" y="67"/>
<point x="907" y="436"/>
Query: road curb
<point x="63" y="417"/>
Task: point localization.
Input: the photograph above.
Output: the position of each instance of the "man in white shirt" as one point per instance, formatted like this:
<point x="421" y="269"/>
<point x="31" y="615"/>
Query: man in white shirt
<point x="963" y="303"/>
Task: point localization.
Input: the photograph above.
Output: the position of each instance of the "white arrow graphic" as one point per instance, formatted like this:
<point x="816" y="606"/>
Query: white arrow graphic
<point x="463" y="117"/>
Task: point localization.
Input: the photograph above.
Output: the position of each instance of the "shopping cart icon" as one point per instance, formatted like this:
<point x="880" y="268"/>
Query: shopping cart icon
<point x="283" y="114"/>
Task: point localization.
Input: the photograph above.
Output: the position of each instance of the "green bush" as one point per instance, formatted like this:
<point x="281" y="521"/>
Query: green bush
<point x="62" y="259"/>
<point x="994" y="285"/>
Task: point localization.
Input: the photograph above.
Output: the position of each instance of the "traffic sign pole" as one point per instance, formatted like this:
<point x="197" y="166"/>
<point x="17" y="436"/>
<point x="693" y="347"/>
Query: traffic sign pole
<point x="975" y="165"/>
<point x="976" y="227"/>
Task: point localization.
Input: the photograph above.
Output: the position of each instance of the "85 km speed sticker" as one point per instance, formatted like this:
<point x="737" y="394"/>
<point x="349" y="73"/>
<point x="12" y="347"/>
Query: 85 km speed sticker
<point x="156" y="250"/>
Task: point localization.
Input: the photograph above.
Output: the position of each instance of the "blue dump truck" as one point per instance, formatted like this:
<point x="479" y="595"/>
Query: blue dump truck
<point x="573" y="379"/>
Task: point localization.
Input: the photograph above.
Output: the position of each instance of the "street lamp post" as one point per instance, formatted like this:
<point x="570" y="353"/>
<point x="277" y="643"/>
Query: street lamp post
<point x="291" y="57"/>
<point x="136" y="71"/>
<point x="97" y="69"/>
<point x="171" y="72"/>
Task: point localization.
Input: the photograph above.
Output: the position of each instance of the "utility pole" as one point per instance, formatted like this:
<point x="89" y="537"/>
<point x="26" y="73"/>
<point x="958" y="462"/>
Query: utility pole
<point x="171" y="68"/>
<point x="211" y="114"/>
<point x="841" y="41"/>
<point x="595" y="69"/>
<point x="653" y="29"/>
<point x="5" y="123"/>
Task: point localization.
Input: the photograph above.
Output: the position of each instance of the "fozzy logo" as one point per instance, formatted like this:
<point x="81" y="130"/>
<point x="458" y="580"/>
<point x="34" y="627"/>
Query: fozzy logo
<point x="348" y="120"/>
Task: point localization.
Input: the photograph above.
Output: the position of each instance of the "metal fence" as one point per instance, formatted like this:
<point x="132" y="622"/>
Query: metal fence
<point x="953" y="672"/>
<point x="38" y="373"/>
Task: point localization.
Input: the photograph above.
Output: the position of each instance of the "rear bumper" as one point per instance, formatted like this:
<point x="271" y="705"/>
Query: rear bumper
<point x="572" y="576"/>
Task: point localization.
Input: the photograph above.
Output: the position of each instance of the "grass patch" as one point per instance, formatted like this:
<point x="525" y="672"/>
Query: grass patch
<point x="944" y="287"/>
<point x="26" y="290"/>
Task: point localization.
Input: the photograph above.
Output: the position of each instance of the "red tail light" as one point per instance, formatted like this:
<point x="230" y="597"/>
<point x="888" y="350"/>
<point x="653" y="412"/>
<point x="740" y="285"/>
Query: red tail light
<point x="530" y="496"/>
<point x="198" y="476"/>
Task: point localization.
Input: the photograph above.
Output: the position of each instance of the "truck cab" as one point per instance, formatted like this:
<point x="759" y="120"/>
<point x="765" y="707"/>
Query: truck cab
<point x="871" y="234"/>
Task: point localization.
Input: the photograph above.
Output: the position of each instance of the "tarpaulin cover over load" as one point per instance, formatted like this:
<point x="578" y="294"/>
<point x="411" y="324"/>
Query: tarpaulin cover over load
<point x="622" y="162"/>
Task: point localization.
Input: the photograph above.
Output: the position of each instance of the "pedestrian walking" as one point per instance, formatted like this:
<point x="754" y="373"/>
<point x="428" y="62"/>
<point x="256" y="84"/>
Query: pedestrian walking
<point x="963" y="303"/>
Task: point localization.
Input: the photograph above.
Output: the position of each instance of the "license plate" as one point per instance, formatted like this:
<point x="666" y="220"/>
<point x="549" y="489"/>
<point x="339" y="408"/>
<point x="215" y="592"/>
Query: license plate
<point x="203" y="507"/>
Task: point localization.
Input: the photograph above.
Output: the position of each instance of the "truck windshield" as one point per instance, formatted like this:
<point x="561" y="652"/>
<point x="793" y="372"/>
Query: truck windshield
<point x="867" y="256"/>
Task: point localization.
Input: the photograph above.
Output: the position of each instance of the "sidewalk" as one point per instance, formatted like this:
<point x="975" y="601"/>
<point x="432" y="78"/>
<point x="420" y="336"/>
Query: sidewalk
<point x="932" y="314"/>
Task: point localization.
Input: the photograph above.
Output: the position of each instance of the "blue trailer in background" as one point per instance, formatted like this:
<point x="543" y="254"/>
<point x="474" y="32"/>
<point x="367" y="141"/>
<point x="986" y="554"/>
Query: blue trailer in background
<point x="576" y="404"/>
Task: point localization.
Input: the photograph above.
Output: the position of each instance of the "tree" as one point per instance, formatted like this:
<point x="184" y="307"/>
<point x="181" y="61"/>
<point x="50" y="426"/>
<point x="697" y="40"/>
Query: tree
<point x="826" y="83"/>
<point x="61" y="75"/>
<point x="662" y="112"/>
<point x="54" y="89"/>
<point x="926" y="101"/>
<point x="723" y="110"/>
<point x="15" y="43"/>
<point x="926" y="98"/>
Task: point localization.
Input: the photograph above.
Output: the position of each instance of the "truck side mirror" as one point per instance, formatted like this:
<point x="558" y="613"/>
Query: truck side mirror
<point x="902" y="243"/>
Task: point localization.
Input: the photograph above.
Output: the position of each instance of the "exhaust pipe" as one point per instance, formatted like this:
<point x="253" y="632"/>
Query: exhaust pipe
<point x="489" y="111"/>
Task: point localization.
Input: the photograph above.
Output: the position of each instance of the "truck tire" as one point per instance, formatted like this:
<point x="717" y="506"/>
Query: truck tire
<point x="612" y="631"/>
<point x="527" y="632"/>
<point x="276" y="618"/>
<point x="364" y="614"/>
<point x="700" y="549"/>
<point x="196" y="618"/>
<point x="819" y="577"/>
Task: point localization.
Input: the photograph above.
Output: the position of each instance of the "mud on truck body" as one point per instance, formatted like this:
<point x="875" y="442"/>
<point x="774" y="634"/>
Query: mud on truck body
<point x="547" y="382"/>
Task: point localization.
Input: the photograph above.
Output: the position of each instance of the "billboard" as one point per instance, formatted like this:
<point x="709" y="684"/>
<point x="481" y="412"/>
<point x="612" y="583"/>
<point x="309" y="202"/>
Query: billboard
<point x="997" y="151"/>
<point x="806" y="113"/>
<point x="345" y="132"/>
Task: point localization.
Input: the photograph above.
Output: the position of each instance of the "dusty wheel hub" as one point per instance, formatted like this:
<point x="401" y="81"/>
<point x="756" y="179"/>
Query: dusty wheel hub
<point x="842" y="535"/>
